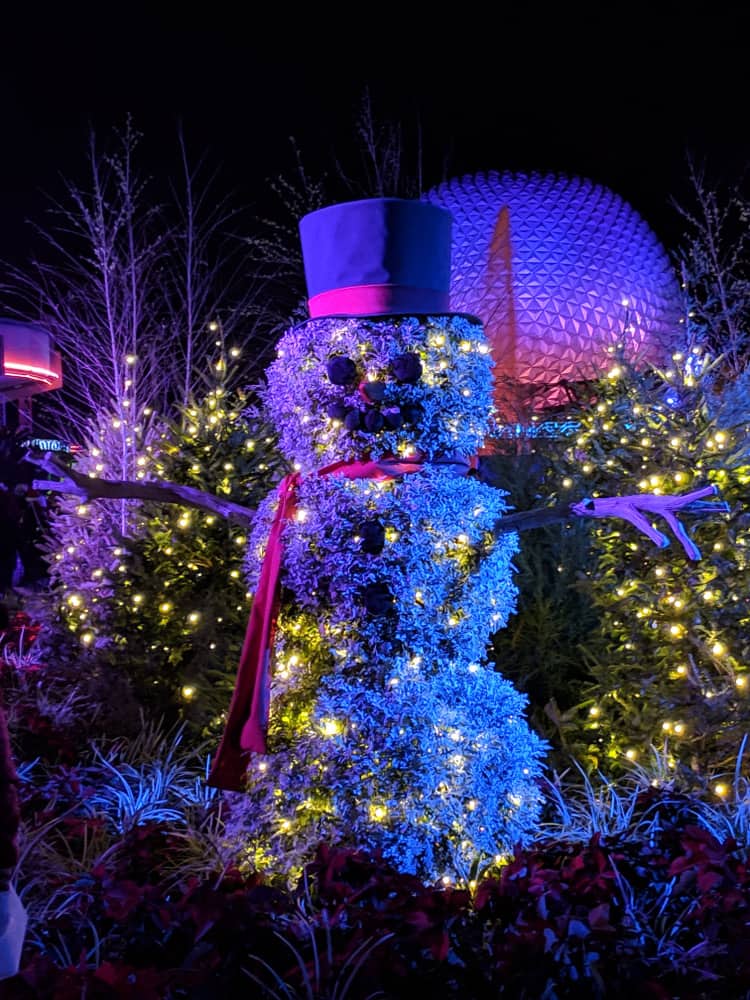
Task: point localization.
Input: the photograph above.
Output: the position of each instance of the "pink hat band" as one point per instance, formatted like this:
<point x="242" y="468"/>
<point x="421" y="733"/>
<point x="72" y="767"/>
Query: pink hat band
<point x="373" y="300"/>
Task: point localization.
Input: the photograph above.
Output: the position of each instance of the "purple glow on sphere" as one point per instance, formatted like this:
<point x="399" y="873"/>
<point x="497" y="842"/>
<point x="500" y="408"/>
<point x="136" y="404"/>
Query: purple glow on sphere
<point x="559" y="270"/>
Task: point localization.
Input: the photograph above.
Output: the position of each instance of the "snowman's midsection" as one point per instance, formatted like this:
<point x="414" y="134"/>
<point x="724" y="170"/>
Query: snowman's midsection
<point x="407" y="566"/>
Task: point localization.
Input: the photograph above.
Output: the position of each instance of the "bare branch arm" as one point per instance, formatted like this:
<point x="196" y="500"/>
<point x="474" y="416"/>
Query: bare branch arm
<point x="639" y="509"/>
<point x="92" y="488"/>
<point x="526" y="519"/>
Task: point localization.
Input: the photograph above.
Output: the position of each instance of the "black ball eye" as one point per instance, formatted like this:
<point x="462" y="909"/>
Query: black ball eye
<point x="341" y="370"/>
<point x="406" y="367"/>
<point x="352" y="420"/>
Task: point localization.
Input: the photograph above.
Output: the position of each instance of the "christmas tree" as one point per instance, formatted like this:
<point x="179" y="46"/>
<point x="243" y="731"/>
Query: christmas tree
<point x="676" y="668"/>
<point x="164" y="601"/>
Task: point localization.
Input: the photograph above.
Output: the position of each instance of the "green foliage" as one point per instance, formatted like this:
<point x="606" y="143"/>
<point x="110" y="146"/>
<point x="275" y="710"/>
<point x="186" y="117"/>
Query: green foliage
<point x="179" y="601"/>
<point x="676" y="663"/>
<point x="541" y="650"/>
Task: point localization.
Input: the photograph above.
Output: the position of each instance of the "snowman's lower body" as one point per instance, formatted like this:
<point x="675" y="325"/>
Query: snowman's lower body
<point x="388" y="730"/>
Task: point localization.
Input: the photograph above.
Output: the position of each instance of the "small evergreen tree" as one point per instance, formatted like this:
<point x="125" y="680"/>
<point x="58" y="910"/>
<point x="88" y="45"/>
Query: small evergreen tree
<point x="166" y="603"/>
<point x="179" y="600"/>
<point x="676" y="667"/>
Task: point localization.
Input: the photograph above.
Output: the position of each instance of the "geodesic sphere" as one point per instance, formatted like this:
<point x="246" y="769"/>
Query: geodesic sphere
<point x="558" y="269"/>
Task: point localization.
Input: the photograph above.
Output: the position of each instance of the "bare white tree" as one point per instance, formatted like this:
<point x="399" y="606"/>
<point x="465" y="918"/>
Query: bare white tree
<point x="135" y="293"/>
<point x="715" y="269"/>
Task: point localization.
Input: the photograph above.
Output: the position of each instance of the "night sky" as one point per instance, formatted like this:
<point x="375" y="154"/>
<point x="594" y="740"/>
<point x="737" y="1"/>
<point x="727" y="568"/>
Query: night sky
<point x="616" y="96"/>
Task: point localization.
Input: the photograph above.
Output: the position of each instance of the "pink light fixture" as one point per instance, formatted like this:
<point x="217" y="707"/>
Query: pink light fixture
<point x="29" y="364"/>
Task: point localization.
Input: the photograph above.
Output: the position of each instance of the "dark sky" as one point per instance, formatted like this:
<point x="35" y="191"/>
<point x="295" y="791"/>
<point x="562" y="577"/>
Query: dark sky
<point x="607" y="91"/>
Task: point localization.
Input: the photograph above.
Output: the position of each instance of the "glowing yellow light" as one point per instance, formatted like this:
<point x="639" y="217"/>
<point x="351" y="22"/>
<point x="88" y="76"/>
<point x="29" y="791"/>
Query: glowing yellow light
<point x="567" y="482"/>
<point x="679" y="728"/>
<point x="137" y="598"/>
<point x="330" y="727"/>
<point x="720" y="437"/>
<point x="721" y="789"/>
<point x="301" y="515"/>
<point x="718" y="649"/>
<point x="587" y="467"/>
<point x="666" y="726"/>
<point x="682" y="670"/>
<point x="709" y="595"/>
<point x="631" y="754"/>
<point x="130" y="359"/>
<point x="75" y="601"/>
<point x="87" y="638"/>
<point x="240" y="540"/>
<point x="675" y="630"/>
<point x="164" y="607"/>
<point x="741" y="681"/>
<point x="465" y="345"/>
<point x="471" y="805"/>
<point x="187" y="691"/>
<point x="378" y="813"/>
<point x="595" y="711"/>
<point x="675" y="442"/>
<point x="193" y="617"/>
<point x="660" y="571"/>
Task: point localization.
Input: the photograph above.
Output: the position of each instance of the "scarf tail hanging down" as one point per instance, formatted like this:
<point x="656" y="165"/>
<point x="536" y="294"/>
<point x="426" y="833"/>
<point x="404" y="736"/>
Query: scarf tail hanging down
<point x="247" y="719"/>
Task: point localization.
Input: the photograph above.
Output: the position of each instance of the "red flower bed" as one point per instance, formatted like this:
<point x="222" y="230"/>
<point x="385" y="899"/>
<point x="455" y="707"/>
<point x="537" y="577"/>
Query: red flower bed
<point x="664" y="918"/>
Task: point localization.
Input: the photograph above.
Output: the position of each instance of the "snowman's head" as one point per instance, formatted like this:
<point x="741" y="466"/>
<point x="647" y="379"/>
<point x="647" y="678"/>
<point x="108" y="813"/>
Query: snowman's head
<point x="345" y="388"/>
